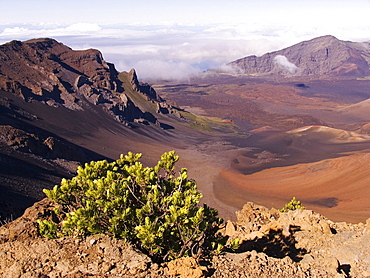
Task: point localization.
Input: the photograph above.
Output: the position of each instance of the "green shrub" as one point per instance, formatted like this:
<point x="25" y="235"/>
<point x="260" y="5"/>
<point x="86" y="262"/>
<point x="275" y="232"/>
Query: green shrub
<point x="153" y="208"/>
<point x="235" y="244"/>
<point x="292" y="205"/>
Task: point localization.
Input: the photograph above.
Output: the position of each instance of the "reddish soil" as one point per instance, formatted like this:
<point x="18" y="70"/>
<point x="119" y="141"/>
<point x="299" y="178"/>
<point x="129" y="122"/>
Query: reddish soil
<point x="328" y="171"/>
<point x="337" y="188"/>
<point x="230" y="168"/>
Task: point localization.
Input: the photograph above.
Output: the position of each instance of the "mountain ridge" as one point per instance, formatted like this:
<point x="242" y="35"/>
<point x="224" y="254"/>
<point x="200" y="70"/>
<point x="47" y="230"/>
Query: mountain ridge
<point x="48" y="71"/>
<point x="61" y="107"/>
<point x="324" y="55"/>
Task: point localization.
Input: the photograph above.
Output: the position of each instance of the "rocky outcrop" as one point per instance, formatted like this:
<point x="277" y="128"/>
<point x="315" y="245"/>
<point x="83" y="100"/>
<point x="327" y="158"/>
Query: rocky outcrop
<point x="320" y="247"/>
<point x="320" y="56"/>
<point x="48" y="71"/>
<point x="143" y="88"/>
<point x="146" y="96"/>
<point x="40" y="144"/>
<point x="297" y="243"/>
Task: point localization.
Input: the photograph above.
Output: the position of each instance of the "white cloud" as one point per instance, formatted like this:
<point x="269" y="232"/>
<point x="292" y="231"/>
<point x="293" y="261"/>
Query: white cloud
<point x="284" y="63"/>
<point x="174" y="49"/>
<point x="83" y="27"/>
<point x="160" y="69"/>
<point x="231" y="68"/>
<point x="48" y="30"/>
<point x="13" y="31"/>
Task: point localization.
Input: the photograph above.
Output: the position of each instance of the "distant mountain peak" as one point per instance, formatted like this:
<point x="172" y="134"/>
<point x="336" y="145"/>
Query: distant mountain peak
<point x="325" y="38"/>
<point x="321" y="56"/>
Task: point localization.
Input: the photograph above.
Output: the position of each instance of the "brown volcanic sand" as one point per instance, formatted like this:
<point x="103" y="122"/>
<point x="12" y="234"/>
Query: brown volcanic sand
<point x="337" y="188"/>
<point x="280" y="165"/>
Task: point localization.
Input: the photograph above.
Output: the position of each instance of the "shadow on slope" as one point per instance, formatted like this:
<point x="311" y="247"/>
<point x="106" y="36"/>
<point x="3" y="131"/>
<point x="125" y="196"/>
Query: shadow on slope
<point x="275" y="244"/>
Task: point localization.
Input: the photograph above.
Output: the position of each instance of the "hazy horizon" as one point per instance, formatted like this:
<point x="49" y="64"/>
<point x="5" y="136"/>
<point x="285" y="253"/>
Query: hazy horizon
<point x="174" y="40"/>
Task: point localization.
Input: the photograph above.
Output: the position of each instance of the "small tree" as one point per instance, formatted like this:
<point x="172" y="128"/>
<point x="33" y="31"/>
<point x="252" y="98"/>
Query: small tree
<point x="152" y="208"/>
<point x="292" y="205"/>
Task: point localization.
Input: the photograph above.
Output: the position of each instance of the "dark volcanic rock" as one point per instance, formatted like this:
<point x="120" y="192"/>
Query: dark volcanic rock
<point x="320" y="56"/>
<point x="144" y="88"/>
<point x="48" y="71"/>
<point x="60" y="108"/>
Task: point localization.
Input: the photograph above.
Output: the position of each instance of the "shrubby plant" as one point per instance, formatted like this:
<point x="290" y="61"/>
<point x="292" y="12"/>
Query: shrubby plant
<point x="153" y="208"/>
<point x="294" y="204"/>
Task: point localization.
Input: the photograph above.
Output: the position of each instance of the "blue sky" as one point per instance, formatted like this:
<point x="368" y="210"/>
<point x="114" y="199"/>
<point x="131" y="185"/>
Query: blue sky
<point x="174" y="39"/>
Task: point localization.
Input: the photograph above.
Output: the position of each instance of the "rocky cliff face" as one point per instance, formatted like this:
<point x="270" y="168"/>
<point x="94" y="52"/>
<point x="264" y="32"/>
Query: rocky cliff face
<point x="48" y="71"/>
<point x="320" y="56"/>
<point x="297" y="243"/>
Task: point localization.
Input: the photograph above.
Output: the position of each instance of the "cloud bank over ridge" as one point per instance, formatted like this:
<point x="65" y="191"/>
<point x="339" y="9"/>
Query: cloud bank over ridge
<point x="170" y="51"/>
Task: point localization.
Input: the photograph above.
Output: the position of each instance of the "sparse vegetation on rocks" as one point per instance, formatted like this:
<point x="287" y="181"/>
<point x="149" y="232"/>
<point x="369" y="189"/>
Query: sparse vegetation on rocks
<point x="292" y="205"/>
<point x="151" y="208"/>
<point x="298" y="243"/>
